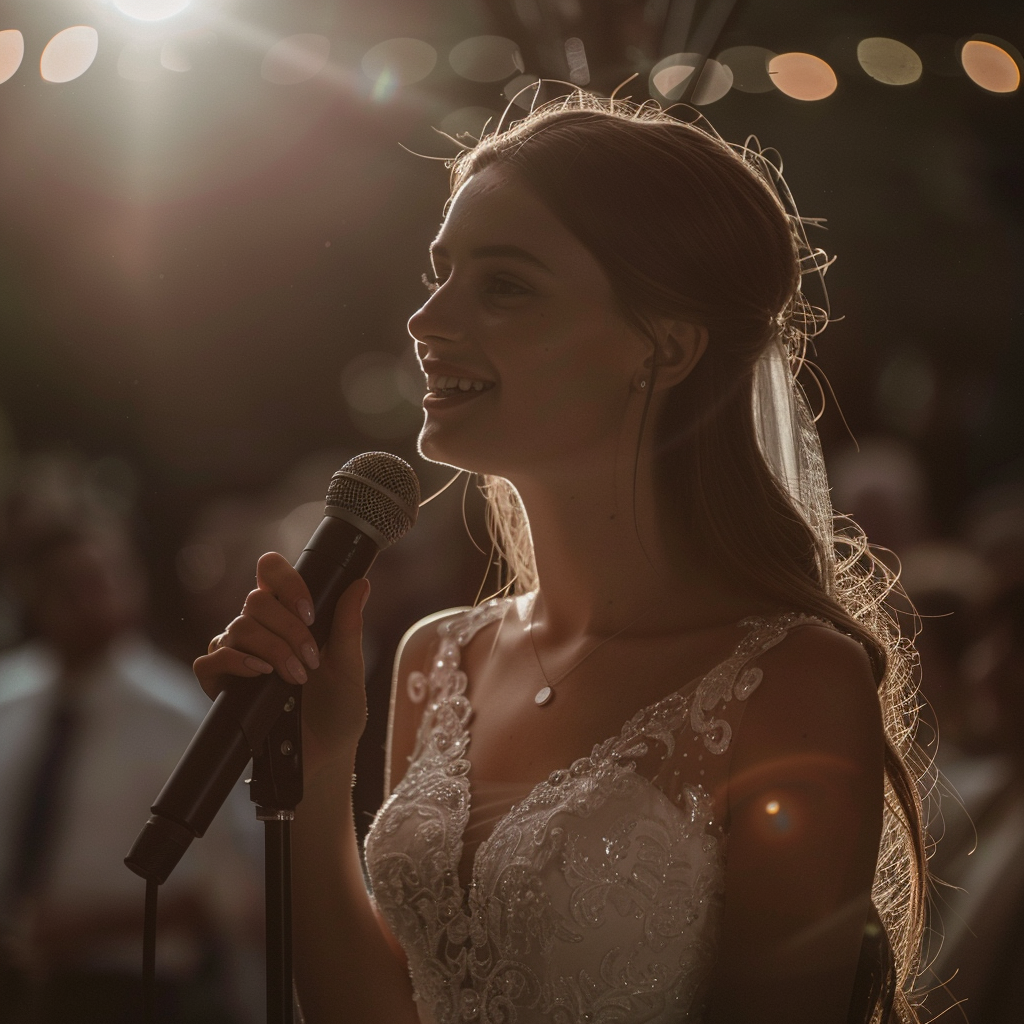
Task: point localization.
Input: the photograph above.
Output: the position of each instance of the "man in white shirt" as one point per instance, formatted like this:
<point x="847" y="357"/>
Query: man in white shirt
<point x="93" y="719"/>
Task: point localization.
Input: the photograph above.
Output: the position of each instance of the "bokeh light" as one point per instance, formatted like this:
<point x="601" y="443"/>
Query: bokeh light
<point x="749" y="66"/>
<point x="888" y="60"/>
<point x="296" y="59"/>
<point x="397" y="62"/>
<point x="200" y="566"/>
<point x="518" y="91"/>
<point x="69" y="54"/>
<point x="576" y="58"/>
<point x="12" y="50"/>
<point x="139" y="62"/>
<point x="383" y="393"/>
<point x="469" y="121"/>
<point x="174" y="56"/>
<point x="151" y="10"/>
<point x="295" y="529"/>
<point x="486" y="59"/>
<point x="802" y="76"/>
<point x="714" y="82"/>
<point x="990" y="66"/>
<point x="669" y="76"/>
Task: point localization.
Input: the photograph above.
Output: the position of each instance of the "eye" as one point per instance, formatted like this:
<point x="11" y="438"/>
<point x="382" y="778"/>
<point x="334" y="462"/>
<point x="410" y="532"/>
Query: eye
<point x="430" y="283"/>
<point x="505" y="287"/>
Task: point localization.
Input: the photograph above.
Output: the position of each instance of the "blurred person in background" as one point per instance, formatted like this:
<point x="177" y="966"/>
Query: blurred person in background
<point x="882" y="485"/>
<point x="982" y="950"/>
<point x="92" y="720"/>
<point x="951" y="588"/>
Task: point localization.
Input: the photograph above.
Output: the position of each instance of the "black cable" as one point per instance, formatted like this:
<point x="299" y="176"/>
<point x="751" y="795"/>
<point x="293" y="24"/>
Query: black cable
<point x="149" y="954"/>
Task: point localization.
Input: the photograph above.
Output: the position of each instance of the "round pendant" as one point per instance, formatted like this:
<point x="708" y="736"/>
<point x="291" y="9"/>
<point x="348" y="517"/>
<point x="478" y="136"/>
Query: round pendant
<point x="544" y="694"/>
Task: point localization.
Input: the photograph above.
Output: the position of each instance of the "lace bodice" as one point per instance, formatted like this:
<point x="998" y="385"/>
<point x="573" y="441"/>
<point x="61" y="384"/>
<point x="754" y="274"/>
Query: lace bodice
<point x="597" y="898"/>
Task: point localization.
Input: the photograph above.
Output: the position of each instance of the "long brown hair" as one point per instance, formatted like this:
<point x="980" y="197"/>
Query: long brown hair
<point x="686" y="226"/>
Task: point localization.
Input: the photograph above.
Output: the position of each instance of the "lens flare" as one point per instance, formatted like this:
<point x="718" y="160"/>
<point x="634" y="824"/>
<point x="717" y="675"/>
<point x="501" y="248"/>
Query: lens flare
<point x="749" y="66"/>
<point x="486" y="59"/>
<point x="397" y="62"/>
<point x="990" y="66"/>
<point x="151" y="10"/>
<point x="12" y="50"/>
<point x="888" y="61"/>
<point x="802" y="76"/>
<point x="69" y="54"/>
<point x="670" y="75"/>
<point x="296" y="59"/>
<point x="715" y="81"/>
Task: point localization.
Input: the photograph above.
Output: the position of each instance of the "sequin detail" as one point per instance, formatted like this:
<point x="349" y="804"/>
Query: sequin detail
<point x="597" y="898"/>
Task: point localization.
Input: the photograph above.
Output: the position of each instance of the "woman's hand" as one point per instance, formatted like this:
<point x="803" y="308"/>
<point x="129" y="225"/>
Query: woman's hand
<point x="272" y="635"/>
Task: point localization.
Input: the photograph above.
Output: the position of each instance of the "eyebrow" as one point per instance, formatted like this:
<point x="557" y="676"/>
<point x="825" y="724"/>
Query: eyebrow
<point x="484" y="251"/>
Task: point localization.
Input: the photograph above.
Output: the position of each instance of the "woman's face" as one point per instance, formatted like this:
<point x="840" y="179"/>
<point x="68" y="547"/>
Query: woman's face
<point x="530" y="363"/>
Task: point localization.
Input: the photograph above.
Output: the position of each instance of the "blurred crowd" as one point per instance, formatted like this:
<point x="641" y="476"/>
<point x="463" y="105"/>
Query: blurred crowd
<point x="966" y="595"/>
<point x="93" y="716"/>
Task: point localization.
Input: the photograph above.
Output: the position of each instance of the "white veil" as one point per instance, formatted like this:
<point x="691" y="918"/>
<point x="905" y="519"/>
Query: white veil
<point x="785" y="426"/>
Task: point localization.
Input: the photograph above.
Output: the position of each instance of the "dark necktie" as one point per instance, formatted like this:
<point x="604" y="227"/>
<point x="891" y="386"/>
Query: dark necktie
<point x="36" y="826"/>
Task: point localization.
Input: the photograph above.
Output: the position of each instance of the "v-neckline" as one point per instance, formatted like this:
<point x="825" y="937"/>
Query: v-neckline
<point x="464" y="890"/>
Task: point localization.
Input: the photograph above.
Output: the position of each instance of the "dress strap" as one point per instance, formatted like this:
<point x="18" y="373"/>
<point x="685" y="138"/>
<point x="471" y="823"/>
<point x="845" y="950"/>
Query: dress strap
<point x="732" y="679"/>
<point x="699" y="699"/>
<point x="454" y="632"/>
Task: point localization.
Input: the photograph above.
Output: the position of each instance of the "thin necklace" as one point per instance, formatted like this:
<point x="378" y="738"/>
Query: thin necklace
<point x="545" y="693"/>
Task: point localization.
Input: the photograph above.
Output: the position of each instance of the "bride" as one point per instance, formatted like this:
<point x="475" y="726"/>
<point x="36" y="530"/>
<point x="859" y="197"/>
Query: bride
<point x="670" y="774"/>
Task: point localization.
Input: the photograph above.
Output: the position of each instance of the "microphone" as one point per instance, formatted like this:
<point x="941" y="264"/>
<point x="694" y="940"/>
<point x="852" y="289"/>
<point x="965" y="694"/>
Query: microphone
<point x="372" y="501"/>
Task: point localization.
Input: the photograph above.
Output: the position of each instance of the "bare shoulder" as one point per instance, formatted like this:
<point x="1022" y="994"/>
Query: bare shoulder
<point x="805" y="798"/>
<point x="818" y="676"/>
<point x="817" y="703"/>
<point x="414" y="652"/>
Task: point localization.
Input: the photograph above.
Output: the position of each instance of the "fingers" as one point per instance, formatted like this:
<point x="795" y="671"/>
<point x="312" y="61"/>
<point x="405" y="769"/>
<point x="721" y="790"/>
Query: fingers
<point x="215" y="670"/>
<point x="275" y="575"/>
<point x="269" y="630"/>
<point x="272" y="632"/>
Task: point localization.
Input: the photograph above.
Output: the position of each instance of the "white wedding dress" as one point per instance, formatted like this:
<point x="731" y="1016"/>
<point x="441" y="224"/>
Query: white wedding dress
<point x="597" y="898"/>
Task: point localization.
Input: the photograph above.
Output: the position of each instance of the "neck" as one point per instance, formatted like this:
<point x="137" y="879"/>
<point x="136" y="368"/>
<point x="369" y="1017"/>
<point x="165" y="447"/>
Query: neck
<point x="602" y="561"/>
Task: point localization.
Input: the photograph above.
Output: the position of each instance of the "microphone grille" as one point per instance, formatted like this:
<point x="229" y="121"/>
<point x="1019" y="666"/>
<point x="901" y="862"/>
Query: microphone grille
<point x="379" y="488"/>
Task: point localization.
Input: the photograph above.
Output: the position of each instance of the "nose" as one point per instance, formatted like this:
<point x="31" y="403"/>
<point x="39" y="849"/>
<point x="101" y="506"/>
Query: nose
<point x="433" y="321"/>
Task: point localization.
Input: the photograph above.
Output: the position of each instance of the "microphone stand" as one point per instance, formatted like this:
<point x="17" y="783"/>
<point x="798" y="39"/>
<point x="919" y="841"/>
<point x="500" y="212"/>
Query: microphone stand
<point x="276" y="789"/>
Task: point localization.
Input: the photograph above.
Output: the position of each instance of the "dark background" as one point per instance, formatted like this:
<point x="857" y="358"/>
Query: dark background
<point x="189" y="265"/>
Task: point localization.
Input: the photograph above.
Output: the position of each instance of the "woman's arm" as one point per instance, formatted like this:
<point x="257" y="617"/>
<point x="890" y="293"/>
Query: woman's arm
<point x="805" y="807"/>
<point x="345" y="965"/>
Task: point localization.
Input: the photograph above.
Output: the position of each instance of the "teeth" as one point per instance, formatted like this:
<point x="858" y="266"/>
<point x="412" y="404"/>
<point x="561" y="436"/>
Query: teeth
<point x="436" y="383"/>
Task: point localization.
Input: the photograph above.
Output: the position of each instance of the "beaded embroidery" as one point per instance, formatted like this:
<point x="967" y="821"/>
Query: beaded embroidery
<point x="596" y="899"/>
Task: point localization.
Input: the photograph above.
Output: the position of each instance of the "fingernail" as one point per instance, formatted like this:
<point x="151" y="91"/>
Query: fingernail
<point x="305" y="611"/>
<point x="258" y="665"/>
<point x="366" y="594"/>
<point x="295" y="669"/>
<point x="310" y="655"/>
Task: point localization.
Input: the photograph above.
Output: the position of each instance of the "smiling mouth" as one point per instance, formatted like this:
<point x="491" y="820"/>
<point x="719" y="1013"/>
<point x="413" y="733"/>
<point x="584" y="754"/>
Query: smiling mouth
<point x="445" y="386"/>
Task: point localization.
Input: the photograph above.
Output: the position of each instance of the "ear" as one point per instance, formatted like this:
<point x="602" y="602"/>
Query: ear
<point x="678" y="347"/>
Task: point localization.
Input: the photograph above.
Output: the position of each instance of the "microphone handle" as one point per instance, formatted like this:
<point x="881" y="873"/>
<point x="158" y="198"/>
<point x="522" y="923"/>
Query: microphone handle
<point x="236" y="726"/>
